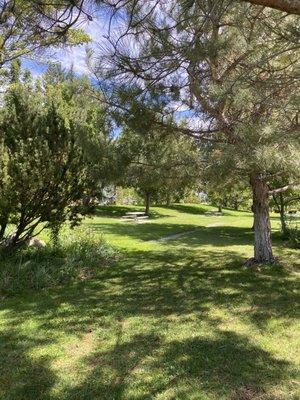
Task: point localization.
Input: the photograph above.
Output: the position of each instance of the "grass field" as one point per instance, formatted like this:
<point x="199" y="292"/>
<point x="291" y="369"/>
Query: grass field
<point x="177" y="319"/>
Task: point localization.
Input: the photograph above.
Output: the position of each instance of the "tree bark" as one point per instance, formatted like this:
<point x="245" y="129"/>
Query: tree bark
<point x="3" y="226"/>
<point x="220" y="208"/>
<point x="262" y="227"/>
<point x="281" y="208"/>
<point x="147" y="203"/>
<point x="13" y="241"/>
<point x="168" y="200"/>
<point x="282" y="214"/>
<point x="236" y="204"/>
<point x="252" y="209"/>
<point x="288" y="6"/>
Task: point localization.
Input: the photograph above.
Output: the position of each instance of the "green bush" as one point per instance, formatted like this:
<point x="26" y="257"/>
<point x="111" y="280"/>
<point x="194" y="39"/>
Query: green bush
<point x="294" y="237"/>
<point x="293" y="234"/>
<point x="78" y="256"/>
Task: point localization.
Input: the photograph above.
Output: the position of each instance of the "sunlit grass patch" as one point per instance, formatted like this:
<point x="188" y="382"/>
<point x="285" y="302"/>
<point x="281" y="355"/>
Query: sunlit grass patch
<point x="182" y="319"/>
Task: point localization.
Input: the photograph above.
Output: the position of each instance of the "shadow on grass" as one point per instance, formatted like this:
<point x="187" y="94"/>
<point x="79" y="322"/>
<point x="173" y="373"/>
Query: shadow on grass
<point x="119" y="211"/>
<point x="200" y="235"/>
<point x="216" y="236"/>
<point x="114" y="211"/>
<point x="188" y="208"/>
<point x="143" y="231"/>
<point x="161" y="283"/>
<point x="163" y="287"/>
<point x="21" y="377"/>
<point x="213" y="366"/>
<point x="200" y="209"/>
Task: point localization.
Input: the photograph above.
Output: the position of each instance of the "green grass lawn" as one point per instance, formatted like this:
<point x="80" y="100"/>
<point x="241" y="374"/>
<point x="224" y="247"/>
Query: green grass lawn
<point x="180" y="319"/>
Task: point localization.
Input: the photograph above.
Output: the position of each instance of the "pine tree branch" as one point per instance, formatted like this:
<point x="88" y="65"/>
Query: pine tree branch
<point x="284" y="188"/>
<point x="288" y="6"/>
<point x="292" y="200"/>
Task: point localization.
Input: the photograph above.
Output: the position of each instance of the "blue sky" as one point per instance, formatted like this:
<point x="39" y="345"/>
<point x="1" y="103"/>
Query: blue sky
<point x="71" y="56"/>
<point x="75" y="57"/>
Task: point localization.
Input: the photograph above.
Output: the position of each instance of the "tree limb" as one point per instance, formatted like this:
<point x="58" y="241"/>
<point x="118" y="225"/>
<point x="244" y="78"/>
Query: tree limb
<point x="284" y="188"/>
<point x="288" y="6"/>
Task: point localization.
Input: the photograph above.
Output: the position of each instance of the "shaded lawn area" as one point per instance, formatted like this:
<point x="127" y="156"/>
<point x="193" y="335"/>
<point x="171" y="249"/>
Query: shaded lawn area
<point x="175" y="320"/>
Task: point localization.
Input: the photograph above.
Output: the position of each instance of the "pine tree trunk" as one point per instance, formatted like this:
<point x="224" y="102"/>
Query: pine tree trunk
<point x="252" y="209"/>
<point x="168" y="200"/>
<point x="262" y="226"/>
<point x="147" y="203"/>
<point x="236" y="205"/>
<point x="282" y="214"/>
<point x="3" y="226"/>
<point x="281" y="209"/>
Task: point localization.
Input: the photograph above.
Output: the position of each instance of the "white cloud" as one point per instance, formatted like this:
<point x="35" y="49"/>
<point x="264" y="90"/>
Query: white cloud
<point x="76" y="56"/>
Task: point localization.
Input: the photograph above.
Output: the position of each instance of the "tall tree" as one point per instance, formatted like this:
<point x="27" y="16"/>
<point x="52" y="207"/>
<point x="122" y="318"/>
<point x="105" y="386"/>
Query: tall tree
<point x="227" y="195"/>
<point x="48" y="133"/>
<point x="233" y="67"/>
<point x="158" y="164"/>
<point x="284" y="200"/>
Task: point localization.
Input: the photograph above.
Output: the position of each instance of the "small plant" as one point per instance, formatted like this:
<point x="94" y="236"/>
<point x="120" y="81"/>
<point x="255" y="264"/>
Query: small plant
<point x="79" y="255"/>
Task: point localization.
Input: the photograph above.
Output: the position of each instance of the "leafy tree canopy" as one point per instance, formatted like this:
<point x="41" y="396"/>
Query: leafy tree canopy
<point x="54" y="147"/>
<point x="159" y="165"/>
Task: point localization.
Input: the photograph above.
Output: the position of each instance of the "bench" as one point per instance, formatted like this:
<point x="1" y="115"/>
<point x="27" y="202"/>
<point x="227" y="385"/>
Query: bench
<point x="135" y="215"/>
<point x="214" y="213"/>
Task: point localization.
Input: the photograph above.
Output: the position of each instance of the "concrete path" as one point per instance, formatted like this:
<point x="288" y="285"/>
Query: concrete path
<point x="179" y="235"/>
<point x="212" y="225"/>
<point x="175" y="236"/>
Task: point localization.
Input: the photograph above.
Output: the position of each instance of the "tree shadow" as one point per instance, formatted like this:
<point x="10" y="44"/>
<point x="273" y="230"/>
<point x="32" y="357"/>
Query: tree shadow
<point x="113" y="211"/>
<point x="152" y="283"/>
<point x="193" y="235"/>
<point x="188" y="208"/>
<point x="198" y="209"/>
<point x="144" y="232"/>
<point x="119" y="363"/>
<point x="196" y="235"/>
<point x="219" y="366"/>
<point x="21" y="376"/>
<point x="162" y="286"/>
<point x="216" y="236"/>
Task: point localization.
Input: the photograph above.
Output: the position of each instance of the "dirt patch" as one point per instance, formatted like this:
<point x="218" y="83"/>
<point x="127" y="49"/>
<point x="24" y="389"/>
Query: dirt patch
<point x="75" y="351"/>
